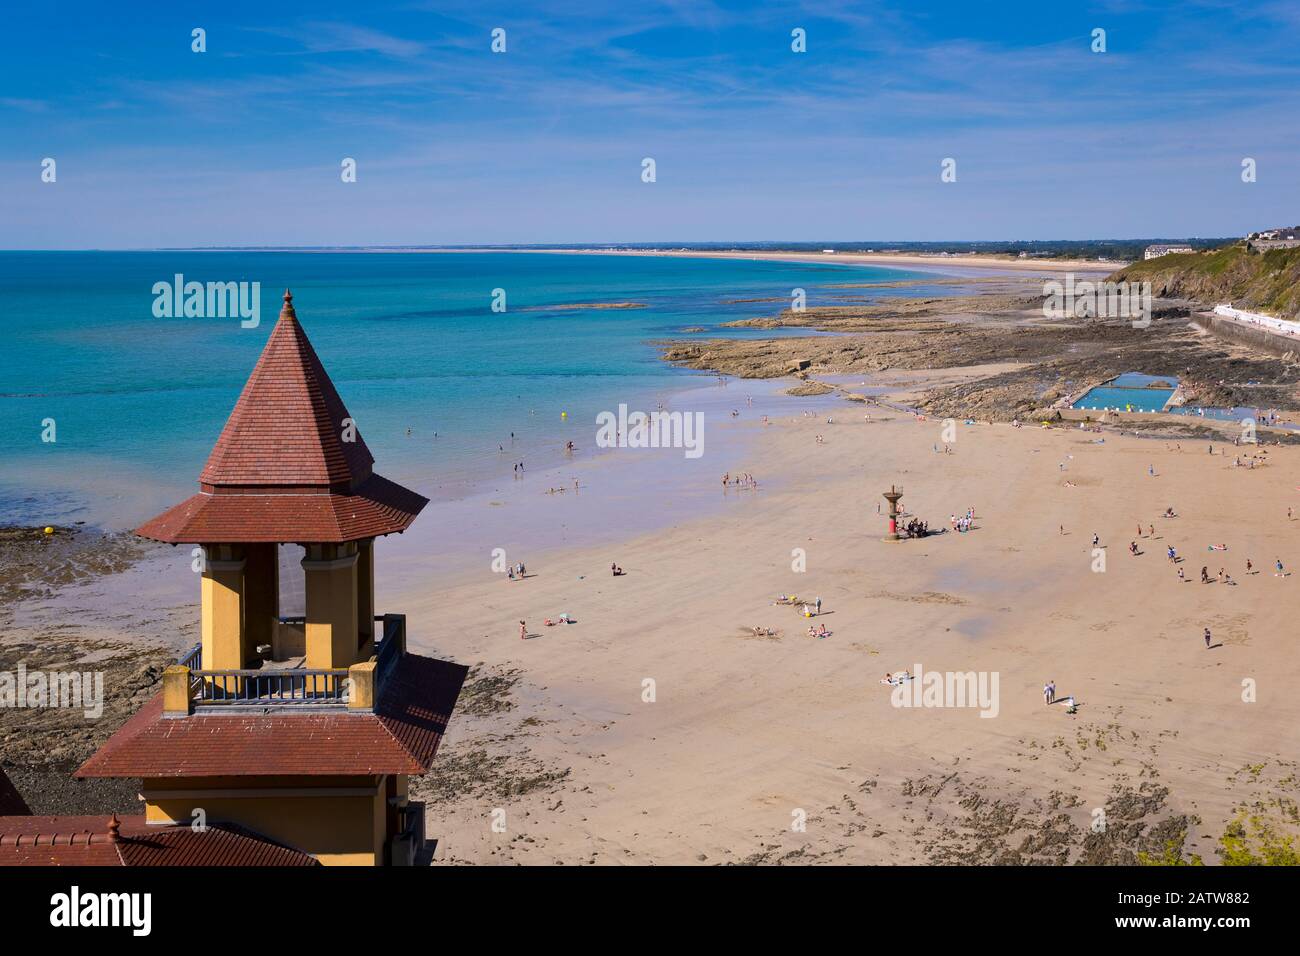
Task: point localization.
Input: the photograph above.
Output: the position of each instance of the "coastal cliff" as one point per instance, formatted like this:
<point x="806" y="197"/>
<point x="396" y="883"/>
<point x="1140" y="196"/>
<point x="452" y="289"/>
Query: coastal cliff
<point x="1263" y="282"/>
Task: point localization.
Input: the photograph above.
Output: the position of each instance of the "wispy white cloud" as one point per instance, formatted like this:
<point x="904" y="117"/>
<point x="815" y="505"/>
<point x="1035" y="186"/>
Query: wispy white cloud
<point x="27" y="106"/>
<point x="324" y="37"/>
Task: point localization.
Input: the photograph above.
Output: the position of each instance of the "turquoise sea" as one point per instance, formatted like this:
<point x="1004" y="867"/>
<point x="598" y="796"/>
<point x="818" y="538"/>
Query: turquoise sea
<point x="409" y="339"/>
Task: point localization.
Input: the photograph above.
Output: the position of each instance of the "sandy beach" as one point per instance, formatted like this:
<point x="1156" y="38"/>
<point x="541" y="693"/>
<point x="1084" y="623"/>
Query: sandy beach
<point x="952" y="263"/>
<point x="749" y="738"/>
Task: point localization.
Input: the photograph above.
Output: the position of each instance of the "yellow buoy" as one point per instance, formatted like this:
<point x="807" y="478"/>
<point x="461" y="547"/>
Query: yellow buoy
<point x="49" y="530"/>
<point x="564" y="414"/>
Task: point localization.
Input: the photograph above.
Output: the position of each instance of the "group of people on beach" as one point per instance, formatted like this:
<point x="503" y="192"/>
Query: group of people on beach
<point x="964" y="522"/>
<point x="1049" y="697"/>
<point x="743" y="480"/>
<point x="806" y="608"/>
<point x="1223" y="577"/>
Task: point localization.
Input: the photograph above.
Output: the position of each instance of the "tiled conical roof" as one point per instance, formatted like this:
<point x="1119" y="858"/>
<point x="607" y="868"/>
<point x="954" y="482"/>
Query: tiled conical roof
<point x="289" y="425"/>
<point x="290" y="464"/>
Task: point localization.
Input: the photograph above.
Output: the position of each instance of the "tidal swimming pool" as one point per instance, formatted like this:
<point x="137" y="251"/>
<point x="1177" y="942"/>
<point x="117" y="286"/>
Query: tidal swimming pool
<point x="1131" y="391"/>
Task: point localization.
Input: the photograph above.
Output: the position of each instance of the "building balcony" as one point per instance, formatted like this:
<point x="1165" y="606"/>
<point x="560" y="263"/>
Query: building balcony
<point x="188" y="688"/>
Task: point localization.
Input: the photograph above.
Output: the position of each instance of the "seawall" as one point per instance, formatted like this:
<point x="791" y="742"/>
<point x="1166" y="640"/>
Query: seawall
<point x="1252" y="337"/>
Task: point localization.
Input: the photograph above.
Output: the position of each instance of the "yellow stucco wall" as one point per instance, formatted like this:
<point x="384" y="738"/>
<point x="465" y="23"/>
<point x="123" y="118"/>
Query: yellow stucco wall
<point x="340" y="821"/>
<point x="331" y="596"/>
<point x="222" y="628"/>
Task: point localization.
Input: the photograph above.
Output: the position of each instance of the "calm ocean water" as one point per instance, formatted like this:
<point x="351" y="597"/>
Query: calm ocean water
<point x="409" y="339"/>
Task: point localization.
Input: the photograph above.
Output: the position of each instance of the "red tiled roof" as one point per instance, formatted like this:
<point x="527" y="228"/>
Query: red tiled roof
<point x="11" y="801"/>
<point x="287" y="427"/>
<point x="378" y="507"/>
<point x="220" y="844"/>
<point x="86" y="841"/>
<point x="281" y="469"/>
<point x="401" y="736"/>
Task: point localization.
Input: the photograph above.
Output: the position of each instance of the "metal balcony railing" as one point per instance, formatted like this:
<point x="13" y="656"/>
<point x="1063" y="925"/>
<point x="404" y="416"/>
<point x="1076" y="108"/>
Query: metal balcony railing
<point x="291" y="686"/>
<point x="269" y="687"/>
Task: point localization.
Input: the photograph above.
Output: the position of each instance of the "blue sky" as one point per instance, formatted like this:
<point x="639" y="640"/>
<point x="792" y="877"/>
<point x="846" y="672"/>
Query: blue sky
<point x="159" y="146"/>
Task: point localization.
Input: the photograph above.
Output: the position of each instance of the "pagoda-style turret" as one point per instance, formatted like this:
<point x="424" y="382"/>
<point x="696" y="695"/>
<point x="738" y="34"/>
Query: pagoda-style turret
<point x="301" y="729"/>
<point x="290" y="467"/>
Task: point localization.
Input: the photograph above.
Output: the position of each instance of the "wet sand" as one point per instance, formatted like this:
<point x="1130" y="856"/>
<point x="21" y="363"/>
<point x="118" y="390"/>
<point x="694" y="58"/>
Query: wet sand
<point x="70" y="601"/>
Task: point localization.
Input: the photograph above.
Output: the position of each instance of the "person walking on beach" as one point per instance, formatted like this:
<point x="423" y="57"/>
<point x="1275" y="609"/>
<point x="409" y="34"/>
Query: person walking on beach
<point x="1182" y="578"/>
<point x="1280" y="572"/>
<point x="1096" y="539"/>
<point x="819" y="607"/>
<point x="1207" y="638"/>
<point x="523" y="631"/>
<point x="1248" y="566"/>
